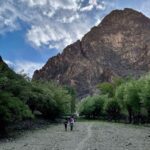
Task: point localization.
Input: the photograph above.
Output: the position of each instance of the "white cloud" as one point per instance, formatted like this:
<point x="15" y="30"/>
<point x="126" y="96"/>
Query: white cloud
<point x="38" y="36"/>
<point x="93" y="4"/>
<point x="98" y="22"/>
<point x="27" y="67"/>
<point x="145" y="7"/>
<point x="87" y="8"/>
<point x="9" y="63"/>
<point x="48" y="35"/>
<point x="51" y="23"/>
<point x="56" y="4"/>
<point x="65" y="4"/>
<point x="8" y="17"/>
<point x="69" y="19"/>
<point x="49" y="13"/>
<point x="32" y="3"/>
<point x="101" y="7"/>
<point x="59" y="34"/>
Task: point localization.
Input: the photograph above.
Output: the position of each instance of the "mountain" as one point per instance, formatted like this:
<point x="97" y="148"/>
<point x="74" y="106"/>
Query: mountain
<point x="118" y="46"/>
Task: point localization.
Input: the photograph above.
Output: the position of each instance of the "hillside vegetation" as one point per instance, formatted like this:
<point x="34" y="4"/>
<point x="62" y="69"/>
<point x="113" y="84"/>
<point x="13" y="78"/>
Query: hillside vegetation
<point x="122" y="99"/>
<point x="20" y="98"/>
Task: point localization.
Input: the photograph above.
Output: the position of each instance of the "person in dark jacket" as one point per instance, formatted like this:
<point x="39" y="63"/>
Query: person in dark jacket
<point x="66" y="123"/>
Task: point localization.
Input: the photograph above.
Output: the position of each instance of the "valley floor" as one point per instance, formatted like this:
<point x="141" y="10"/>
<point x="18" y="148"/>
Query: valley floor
<point x="86" y="136"/>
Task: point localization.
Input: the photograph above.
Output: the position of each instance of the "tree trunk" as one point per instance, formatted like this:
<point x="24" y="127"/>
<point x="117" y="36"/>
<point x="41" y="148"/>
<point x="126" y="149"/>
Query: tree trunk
<point x="2" y="129"/>
<point x="130" y="115"/>
<point x="148" y="120"/>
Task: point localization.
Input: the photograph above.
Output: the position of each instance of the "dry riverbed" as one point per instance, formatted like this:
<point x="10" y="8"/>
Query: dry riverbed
<point x="86" y="136"/>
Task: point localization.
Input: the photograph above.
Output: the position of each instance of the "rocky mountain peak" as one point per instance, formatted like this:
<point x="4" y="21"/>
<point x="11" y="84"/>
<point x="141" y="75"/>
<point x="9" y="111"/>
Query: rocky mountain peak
<point x="124" y="17"/>
<point x="118" y="46"/>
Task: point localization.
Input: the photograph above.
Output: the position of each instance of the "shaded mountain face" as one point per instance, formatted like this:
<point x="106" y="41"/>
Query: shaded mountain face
<point x="118" y="46"/>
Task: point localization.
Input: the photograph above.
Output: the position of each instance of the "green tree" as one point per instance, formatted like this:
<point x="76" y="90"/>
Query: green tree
<point x="98" y="102"/>
<point x="132" y="101"/>
<point x="87" y="107"/>
<point x="12" y="110"/>
<point x="106" y="88"/>
<point x="145" y="96"/>
<point x="52" y="92"/>
<point x="72" y="93"/>
<point x="113" y="109"/>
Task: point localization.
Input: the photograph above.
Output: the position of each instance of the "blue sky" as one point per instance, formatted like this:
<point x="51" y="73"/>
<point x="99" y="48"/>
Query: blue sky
<point x="32" y="31"/>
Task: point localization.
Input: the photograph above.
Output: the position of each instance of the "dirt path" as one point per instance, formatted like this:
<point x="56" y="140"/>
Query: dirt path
<point x="86" y="136"/>
<point x="84" y="140"/>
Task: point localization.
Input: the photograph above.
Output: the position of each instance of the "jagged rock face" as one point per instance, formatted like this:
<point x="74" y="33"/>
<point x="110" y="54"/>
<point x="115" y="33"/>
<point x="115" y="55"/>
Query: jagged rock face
<point x="118" y="46"/>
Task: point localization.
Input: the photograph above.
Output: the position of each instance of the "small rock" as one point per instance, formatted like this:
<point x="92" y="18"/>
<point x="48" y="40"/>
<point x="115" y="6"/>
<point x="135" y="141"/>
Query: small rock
<point x="25" y="145"/>
<point x="128" y="144"/>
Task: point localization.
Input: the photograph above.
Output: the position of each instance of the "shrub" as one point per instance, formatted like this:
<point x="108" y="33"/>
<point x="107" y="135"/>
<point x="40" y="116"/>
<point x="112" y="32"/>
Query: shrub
<point x="112" y="109"/>
<point x="12" y="110"/>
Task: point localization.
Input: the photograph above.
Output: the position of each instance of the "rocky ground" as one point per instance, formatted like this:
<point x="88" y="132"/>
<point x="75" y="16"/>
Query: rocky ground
<point x="86" y="136"/>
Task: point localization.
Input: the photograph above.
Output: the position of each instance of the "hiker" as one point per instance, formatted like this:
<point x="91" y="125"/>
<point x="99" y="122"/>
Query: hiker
<point x="66" y="123"/>
<point x="71" y="121"/>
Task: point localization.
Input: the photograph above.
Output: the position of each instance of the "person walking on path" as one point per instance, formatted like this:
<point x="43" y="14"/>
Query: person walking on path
<point x="71" y="121"/>
<point x="66" y="123"/>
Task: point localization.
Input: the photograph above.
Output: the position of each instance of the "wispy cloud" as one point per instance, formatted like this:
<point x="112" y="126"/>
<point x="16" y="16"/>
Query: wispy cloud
<point x="94" y="4"/>
<point x="51" y="23"/>
<point x="22" y="66"/>
<point x="145" y="7"/>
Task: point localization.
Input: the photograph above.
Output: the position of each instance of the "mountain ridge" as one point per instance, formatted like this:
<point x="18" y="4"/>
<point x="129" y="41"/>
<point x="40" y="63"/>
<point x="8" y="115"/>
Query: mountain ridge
<point x="118" y="46"/>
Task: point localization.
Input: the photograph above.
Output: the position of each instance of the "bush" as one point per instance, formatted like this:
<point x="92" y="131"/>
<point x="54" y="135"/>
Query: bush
<point x="87" y="107"/>
<point x="98" y="102"/>
<point x="19" y="97"/>
<point x="112" y="109"/>
<point x="52" y="99"/>
<point x="92" y="107"/>
<point x="145" y="97"/>
<point x="12" y="110"/>
<point x="106" y="88"/>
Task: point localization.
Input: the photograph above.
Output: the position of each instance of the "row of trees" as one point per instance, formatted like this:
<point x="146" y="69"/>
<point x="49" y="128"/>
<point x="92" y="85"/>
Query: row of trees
<point x="122" y="99"/>
<point x="20" y="98"/>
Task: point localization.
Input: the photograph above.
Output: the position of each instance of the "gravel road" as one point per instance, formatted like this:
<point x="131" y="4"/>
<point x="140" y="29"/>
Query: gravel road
<point x="86" y="136"/>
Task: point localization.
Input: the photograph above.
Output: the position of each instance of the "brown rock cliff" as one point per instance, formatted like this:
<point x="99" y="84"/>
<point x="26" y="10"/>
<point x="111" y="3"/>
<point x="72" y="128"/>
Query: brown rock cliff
<point x="118" y="46"/>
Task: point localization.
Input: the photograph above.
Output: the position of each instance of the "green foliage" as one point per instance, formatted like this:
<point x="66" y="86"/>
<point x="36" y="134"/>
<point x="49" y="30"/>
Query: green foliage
<point x="127" y="97"/>
<point x="98" y="105"/>
<point x="106" y="88"/>
<point x="72" y="93"/>
<point x="112" y="109"/>
<point x="92" y="107"/>
<point x="131" y="97"/>
<point x="109" y="88"/>
<point x="12" y="109"/>
<point x="20" y="97"/>
<point x="145" y="96"/>
<point x="52" y="97"/>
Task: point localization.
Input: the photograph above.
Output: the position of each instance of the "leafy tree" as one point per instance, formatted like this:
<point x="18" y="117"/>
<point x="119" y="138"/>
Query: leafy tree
<point x="106" y="88"/>
<point x="12" y="110"/>
<point x="54" y="92"/>
<point x="92" y="107"/>
<point x="132" y="101"/>
<point x="98" y="102"/>
<point x="112" y="109"/>
<point x="110" y="87"/>
<point x="87" y="107"/>
<point x="72" y="93"/>
<point x="145" y="96"/>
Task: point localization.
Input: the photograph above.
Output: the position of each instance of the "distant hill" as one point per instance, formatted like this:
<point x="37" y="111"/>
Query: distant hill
<point x="118" y="46"/>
